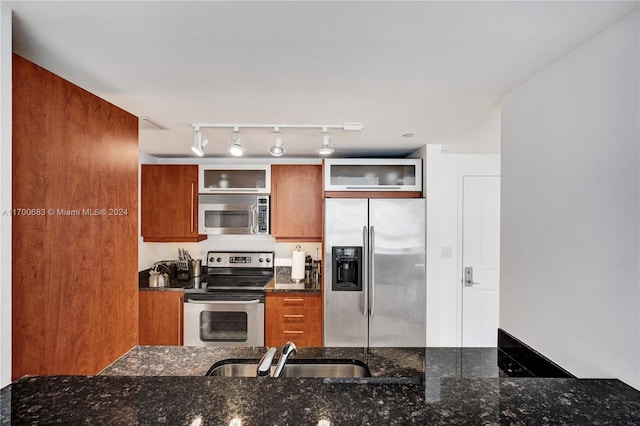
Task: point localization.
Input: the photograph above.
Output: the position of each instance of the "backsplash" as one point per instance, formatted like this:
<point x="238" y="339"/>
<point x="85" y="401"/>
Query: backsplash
<point x="283" y="274"/>
<point x="149" y="253"/>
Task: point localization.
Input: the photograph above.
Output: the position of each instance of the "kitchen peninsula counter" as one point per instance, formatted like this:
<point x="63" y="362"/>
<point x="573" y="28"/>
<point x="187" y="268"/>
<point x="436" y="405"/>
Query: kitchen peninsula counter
<point x="151" y="385"/>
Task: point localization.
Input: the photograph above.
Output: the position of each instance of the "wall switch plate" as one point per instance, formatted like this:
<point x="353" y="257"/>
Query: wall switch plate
<point x="445" y="252"/>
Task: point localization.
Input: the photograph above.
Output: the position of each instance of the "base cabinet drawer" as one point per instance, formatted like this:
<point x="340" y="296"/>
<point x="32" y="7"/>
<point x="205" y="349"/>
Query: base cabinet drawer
<point x="293" y="317"/>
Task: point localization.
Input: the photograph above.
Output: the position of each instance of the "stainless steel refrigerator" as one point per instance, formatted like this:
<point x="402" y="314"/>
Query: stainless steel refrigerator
<point x="375" y="279"/>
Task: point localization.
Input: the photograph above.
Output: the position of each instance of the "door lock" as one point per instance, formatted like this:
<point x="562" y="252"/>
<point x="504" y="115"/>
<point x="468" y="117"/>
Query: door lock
<point x="468" y="277"/>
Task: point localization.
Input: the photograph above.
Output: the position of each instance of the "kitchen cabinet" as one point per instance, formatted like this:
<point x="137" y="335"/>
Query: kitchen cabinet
<point x="402" y="177"/>
<point x="295" y="317"/>
<point x="73" y="274"/>
<point x="235" y="179"/>
<point x="296" y="202"/>
<point x="169" y="203"/>
<point x="161" y="317"/>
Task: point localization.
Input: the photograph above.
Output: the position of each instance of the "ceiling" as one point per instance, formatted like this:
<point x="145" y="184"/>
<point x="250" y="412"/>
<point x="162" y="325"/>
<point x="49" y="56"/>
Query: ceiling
<point x="436" y="70"/>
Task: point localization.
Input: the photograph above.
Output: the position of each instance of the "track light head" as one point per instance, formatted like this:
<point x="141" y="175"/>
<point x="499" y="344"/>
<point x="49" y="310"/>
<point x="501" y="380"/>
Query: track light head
<point x="197" y="150"/>
<point x="236" y="148"/>
<point x="198" y="144"/>
<point x="326" y="148"/>
<point x="277" y="150"/>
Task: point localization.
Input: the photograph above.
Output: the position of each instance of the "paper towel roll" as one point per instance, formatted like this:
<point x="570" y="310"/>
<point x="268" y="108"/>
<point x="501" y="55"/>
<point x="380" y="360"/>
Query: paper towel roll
<point x="297" y="265"/>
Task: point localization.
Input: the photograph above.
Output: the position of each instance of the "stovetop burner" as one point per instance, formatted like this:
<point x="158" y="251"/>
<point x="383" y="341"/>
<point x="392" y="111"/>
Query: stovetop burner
<point x="227" y="283"/>
<point x="235" y="272"/>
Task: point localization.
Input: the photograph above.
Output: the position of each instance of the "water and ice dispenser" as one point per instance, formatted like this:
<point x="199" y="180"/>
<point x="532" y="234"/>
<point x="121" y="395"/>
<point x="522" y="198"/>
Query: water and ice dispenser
<point x="346" y="268"/>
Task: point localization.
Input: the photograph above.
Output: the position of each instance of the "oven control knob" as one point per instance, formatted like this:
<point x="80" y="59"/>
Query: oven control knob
<point x="261" y="260"/>
<point x="219" y="259"/>
<point x="268" y="259"/>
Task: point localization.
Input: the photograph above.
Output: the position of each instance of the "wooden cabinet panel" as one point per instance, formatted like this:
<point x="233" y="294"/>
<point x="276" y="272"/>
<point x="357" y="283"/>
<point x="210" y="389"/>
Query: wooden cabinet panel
<point x="161" y="317"/>
<point x="296" y="202"/>
<point x="169" y="203"/>
<point x="74" y="274"/>
<point x="293" y="317"/>
<point x="299" y="300"/>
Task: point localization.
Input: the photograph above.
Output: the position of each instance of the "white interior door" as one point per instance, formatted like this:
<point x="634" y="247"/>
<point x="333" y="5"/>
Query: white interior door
<point x="480" y="260"/>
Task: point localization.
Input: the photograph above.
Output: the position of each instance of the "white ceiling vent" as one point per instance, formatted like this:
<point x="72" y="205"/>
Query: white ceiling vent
<point x="146" y="123"/>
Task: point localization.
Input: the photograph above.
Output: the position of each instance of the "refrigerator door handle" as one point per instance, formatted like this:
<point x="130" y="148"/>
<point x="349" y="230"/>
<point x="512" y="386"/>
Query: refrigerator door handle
<point x="372" y="272"/>
<point x="365" y="272"/>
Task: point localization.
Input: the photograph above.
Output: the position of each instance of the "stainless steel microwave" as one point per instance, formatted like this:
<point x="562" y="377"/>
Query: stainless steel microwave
<point x="233" y="214"/>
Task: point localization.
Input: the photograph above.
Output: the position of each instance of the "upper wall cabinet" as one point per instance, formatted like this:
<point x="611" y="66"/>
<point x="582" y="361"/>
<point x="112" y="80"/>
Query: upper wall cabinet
<point x="354" y="174"/>
<point x="239" y="179"/>
<point x="169" y="203"/>
<point x="296" y="202"/>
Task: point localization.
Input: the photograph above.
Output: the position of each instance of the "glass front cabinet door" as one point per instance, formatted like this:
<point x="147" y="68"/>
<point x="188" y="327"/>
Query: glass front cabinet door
<point x="229" y="179"/>
<point x="349" y="174"/>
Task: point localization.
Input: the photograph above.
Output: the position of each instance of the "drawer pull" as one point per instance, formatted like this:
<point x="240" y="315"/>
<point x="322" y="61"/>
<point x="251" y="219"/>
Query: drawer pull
<point x="293" y="332"/>
<point x="294" y="316"/>
<point x="293" y="300"/>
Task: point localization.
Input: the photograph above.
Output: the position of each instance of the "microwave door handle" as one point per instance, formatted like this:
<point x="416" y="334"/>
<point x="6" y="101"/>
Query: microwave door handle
<point x="254" y="219"/>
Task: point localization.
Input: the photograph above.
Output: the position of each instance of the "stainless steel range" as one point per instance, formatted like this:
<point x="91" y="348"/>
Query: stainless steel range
<point x="225" y="307"/>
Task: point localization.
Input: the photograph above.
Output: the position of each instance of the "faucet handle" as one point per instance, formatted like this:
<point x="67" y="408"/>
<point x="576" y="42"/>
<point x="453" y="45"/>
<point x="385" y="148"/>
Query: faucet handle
<point x="264" y="366"/>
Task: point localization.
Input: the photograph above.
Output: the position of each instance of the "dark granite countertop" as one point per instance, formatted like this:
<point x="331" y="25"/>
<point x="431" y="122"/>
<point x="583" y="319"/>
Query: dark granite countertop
<point x="458" y="386"/>
<point x="308" y="288"/>
<point x="196" y="360"/>
<point x="179" y="285"/>
<point x="174" y="284"/>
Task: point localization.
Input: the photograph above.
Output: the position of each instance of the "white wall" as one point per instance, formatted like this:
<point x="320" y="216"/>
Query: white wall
<point x="443" y="185"/>
<point x="453" y="168"/>
<point x="432" y="190"/>
<point x="5" y="194"/>
<point x="570" y="208"/>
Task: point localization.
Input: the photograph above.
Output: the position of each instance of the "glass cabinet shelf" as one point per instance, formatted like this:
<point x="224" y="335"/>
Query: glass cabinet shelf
<point x="225" y="179"/>
<point x="355" y="174"/>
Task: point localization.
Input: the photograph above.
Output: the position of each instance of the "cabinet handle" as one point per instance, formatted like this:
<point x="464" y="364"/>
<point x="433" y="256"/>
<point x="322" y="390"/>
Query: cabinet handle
<point x="293" y="316"/>
<point x="293" y="300"/>
<point x="192" y="209"/>
<point x="373" y="188"/>
<point x="293" y="332"/>
<point x="274" y="208"/>
<point x="180" y="306"/>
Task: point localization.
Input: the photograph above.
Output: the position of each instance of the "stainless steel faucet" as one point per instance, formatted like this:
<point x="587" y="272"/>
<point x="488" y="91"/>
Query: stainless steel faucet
<point x="288" y="350"/>
<point x="264" y="366"/>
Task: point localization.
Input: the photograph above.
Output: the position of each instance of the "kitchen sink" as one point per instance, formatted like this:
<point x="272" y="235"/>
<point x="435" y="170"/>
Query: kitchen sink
<point x="293" y="368"/>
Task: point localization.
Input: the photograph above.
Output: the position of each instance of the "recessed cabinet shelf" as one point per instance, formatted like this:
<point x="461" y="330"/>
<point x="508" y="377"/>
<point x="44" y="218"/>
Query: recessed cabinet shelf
<point x="372" y="175"/>
<point x="255" y="179"/>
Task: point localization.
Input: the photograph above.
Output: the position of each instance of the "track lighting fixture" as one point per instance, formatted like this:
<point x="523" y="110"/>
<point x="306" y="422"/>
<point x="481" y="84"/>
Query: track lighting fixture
<point x="326" y="148"/>
<point x="198" y="143"/>
<point x="236" y="143"/>
<point x="236" y="148"/>
<point x="277" y="150"/>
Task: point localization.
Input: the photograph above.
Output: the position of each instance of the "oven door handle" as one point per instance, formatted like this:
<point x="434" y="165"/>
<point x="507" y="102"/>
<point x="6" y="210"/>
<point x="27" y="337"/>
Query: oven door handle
<point x="224" y="302"/>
